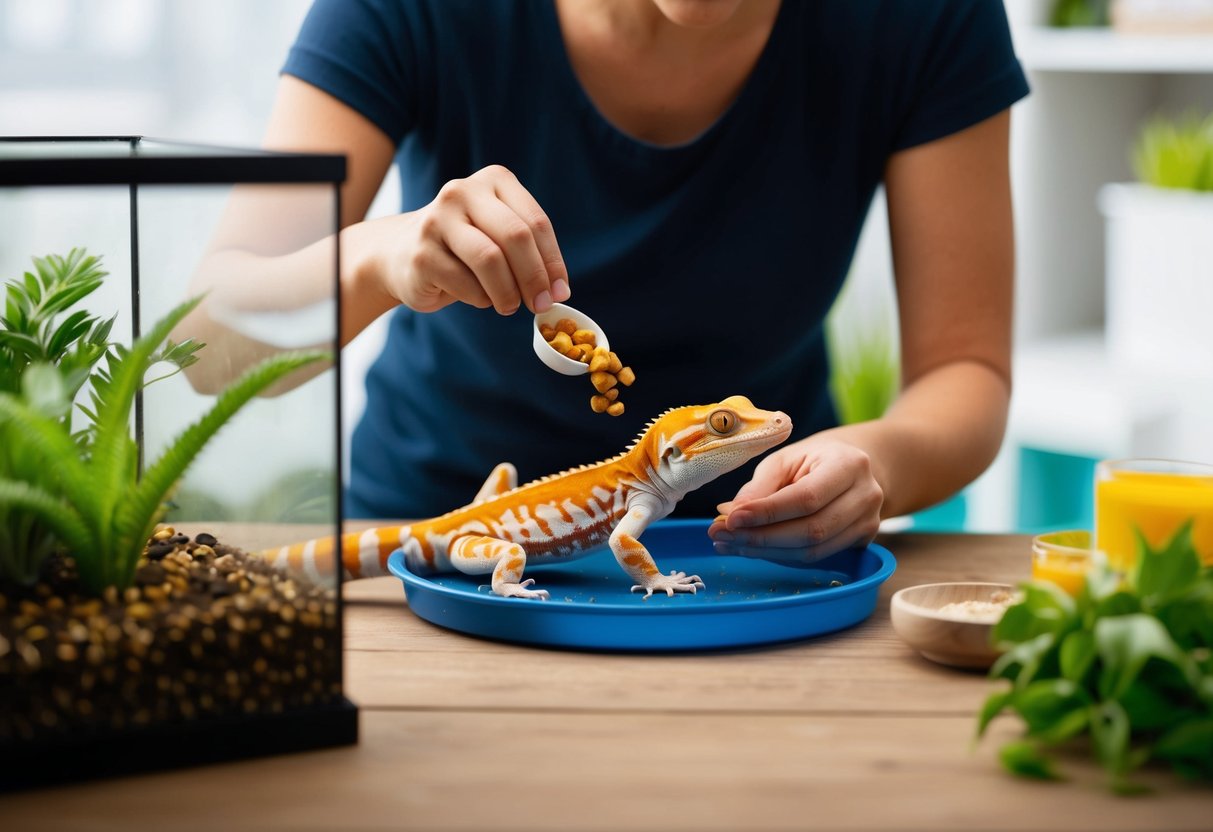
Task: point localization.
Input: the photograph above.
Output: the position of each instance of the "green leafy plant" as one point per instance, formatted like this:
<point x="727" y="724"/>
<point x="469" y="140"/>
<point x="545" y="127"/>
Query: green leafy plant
<point x="1127" y="666"/>
<point x="1176" y="153"/>
<point x="85" y="487"/>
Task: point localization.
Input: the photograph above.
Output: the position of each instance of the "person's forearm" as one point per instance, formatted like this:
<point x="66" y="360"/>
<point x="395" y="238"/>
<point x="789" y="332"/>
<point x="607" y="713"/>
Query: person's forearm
<point x="363" y="297"/>
<point x="938" y="436"/>
<point x="248" y="281"/>
<point x="245" y="283"/>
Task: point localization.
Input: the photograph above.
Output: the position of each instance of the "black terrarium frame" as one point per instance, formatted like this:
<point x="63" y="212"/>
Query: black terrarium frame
<point x="133" y="161"/>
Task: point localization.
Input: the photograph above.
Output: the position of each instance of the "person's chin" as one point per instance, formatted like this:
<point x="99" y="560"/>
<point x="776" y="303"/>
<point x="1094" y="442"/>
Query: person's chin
<point x="698" y="14"/>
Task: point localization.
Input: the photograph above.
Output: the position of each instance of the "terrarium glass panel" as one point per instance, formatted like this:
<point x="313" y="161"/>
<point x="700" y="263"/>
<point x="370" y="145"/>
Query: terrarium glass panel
<point x="169" y="452"/>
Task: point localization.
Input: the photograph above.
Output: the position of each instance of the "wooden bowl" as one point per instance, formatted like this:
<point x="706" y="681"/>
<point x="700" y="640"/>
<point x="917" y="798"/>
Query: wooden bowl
<point x="954" y="638"/>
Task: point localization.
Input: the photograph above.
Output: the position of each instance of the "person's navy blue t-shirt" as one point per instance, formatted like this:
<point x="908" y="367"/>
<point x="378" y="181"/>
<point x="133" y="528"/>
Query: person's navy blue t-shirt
<point x="710" y="264"/>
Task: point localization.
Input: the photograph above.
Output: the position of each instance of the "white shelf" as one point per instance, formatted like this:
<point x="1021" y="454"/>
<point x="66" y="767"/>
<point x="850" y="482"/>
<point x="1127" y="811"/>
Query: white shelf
<point x="1046" y="49"/>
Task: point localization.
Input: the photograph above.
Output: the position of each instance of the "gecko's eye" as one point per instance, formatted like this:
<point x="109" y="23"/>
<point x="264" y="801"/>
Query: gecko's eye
<point x="723" y="422"/>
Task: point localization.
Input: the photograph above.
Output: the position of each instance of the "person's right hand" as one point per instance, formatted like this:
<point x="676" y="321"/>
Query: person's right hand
<point x="484" y="241"/>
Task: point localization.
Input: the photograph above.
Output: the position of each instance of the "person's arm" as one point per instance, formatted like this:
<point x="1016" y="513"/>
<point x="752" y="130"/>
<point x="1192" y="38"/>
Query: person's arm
<point x="483" y="240"/>
<point x="950" y="221"/>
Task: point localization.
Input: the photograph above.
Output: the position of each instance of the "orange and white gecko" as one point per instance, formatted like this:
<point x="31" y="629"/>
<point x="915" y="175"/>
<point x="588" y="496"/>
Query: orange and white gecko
<point x="564" y="516"/>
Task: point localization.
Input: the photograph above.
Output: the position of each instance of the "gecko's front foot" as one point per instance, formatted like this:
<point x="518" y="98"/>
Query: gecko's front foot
<point x="671" y="583"/>
<point x="521" y="591"/>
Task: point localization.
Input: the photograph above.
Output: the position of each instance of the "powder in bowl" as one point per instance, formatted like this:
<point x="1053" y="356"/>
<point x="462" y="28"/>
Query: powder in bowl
<point x="982" y="611"/>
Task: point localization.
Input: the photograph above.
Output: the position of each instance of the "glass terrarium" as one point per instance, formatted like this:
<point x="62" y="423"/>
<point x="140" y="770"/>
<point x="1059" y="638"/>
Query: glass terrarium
<point x="169" y="456"/>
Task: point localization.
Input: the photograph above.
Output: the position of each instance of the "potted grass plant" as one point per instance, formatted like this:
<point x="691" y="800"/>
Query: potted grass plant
<point x="1070" y="13"/>
<point x="1159" y="282"/>
<point x="861" y="342"/>
<point x="124" y="644"/>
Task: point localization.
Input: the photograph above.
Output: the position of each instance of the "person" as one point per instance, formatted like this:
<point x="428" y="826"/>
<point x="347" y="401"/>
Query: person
<point x="694" y="175"/>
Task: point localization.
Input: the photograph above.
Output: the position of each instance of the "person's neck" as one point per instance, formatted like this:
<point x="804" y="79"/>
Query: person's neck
<point x="641" y="26"/>
<point x="657" y="80"/>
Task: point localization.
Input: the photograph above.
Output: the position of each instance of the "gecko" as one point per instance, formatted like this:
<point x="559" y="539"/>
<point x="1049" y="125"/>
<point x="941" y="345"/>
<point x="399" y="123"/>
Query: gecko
<point x="565" y="516"/>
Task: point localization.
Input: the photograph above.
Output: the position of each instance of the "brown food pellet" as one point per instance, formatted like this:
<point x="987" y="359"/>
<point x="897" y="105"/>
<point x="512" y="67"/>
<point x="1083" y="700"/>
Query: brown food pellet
<point x="561" y="342"/>
<point x="606" y="369"/>
<point x="599" y="362"/>
<point x="603" y="381"/>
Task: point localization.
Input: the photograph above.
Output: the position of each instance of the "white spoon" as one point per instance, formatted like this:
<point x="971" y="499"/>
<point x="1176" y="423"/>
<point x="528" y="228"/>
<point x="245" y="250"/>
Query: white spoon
<point x="549" y="356"/>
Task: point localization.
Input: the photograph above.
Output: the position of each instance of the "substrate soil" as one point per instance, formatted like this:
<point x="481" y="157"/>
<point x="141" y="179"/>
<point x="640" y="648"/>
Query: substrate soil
<point x="206" y="630"/>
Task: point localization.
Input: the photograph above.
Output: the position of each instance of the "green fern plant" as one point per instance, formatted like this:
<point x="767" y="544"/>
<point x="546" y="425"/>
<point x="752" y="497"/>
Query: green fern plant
<point x="30" y="331"/>
<point x="37" y="330"/>
<point x="86" y="488"/>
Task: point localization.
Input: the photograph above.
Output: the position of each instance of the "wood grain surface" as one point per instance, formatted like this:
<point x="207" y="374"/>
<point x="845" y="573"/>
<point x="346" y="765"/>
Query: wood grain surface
<point x="849" y="731"/>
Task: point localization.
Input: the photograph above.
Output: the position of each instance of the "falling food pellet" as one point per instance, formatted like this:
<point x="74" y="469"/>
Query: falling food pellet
<point x="606" y="370"/>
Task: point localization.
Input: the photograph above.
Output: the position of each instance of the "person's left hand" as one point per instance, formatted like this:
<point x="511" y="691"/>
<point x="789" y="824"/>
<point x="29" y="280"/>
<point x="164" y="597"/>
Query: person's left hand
<point x="805" y="501"/>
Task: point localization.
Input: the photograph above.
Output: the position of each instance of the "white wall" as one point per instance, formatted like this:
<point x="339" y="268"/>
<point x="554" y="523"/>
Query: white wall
<point x="200" y="70"/>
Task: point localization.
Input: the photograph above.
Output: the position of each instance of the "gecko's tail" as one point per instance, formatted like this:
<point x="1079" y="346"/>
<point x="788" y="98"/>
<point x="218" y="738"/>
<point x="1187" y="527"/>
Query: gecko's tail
<point x="362" y="555"/>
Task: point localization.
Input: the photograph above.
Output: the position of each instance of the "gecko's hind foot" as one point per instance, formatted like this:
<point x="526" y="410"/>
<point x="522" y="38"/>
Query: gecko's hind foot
<point x="674" y="582"/>
<point x="521" y="591"/>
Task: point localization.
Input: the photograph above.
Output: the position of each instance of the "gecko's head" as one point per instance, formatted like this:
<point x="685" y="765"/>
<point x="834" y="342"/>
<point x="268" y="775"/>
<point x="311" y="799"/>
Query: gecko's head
<point x="691" y="446"/>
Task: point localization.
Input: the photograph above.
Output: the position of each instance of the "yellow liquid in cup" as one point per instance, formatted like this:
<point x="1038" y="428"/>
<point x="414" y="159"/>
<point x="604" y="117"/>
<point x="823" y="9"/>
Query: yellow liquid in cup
<point x="1158" y="504"/>
<point x="1062" y="558"/>
<point x="1068" y="575"/>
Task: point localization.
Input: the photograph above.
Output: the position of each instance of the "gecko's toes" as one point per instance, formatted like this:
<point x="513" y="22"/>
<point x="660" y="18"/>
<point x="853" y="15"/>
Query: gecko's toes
<point x="520" y="591"/>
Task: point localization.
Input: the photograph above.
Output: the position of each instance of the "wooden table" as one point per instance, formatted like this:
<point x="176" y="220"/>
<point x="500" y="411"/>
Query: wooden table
<point x="847" y="731"/>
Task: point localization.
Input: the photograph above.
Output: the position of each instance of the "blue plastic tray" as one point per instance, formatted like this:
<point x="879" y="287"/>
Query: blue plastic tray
<point x="746" y="602"/>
